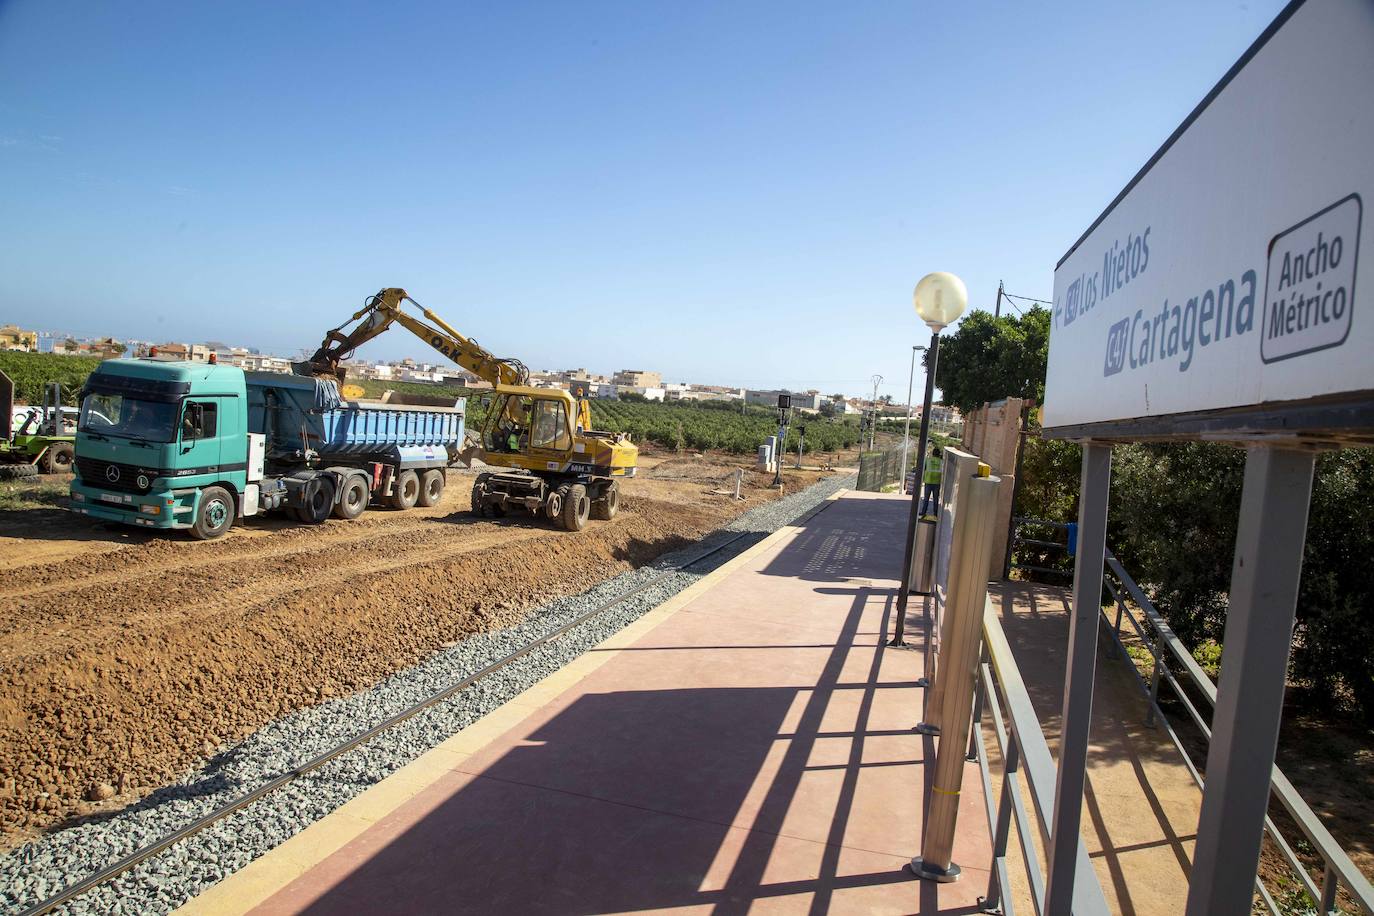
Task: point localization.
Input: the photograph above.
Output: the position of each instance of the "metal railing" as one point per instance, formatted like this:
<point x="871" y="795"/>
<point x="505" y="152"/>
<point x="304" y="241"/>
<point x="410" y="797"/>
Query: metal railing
<point x="1174" y="666"/>
<point x="1041" y="544"/>
<point x="1021" y="744"/>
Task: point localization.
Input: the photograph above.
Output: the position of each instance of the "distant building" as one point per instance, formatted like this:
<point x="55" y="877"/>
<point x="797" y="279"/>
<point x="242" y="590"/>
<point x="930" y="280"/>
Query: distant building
<point x="637" y="378"/>
<point x="173" y="351"/>
<point x="13" y="337"/>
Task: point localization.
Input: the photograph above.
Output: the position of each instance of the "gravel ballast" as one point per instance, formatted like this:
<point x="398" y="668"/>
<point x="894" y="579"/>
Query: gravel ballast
<point x="36" y="871"/>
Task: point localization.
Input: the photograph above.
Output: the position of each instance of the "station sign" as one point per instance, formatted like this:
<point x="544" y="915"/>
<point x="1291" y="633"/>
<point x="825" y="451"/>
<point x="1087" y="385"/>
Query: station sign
<point x="1227" y="275"/>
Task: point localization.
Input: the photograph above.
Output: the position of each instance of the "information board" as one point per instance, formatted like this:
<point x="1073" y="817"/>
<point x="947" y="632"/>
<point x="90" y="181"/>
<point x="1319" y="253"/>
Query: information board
<point x="1226" y="276"/>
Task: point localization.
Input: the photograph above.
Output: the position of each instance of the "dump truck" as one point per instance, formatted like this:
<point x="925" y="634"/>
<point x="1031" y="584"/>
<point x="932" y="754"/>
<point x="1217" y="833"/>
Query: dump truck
<point x="198" y="446"/>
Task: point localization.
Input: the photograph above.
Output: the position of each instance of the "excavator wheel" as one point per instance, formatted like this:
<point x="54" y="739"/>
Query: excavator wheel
<point x="553" y="507"/>
<point x="577" y="505"/>
<point x="479" y="502"/>
<point x="608" y="505"/>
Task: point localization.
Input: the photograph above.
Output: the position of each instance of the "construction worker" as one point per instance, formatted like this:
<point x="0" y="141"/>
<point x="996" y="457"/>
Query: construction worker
<point x="930" y="499"/>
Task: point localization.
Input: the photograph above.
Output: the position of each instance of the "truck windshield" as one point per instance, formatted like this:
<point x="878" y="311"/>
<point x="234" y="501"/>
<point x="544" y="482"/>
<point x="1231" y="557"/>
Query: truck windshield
<point x="117" y="415"/>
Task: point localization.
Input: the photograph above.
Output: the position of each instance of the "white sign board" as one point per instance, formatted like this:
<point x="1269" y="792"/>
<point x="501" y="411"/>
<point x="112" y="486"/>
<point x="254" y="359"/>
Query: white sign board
<point x="1226" y="274"/>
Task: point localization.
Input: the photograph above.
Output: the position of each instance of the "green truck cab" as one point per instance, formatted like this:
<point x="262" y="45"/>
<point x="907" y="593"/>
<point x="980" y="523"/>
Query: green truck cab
<point x="153" y="438"/>
<point x="197" y="446"/>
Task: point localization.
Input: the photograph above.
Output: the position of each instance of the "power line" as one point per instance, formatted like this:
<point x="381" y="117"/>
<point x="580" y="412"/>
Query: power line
<point x="1028" y="298"/>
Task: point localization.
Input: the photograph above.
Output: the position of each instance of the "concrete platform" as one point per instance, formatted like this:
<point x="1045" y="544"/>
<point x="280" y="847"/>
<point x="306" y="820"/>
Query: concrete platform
<point x="745" y="747"/>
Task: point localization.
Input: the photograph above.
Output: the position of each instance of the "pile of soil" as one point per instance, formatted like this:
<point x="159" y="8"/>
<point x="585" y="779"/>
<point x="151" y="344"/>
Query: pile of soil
<point x="126" y="658"/>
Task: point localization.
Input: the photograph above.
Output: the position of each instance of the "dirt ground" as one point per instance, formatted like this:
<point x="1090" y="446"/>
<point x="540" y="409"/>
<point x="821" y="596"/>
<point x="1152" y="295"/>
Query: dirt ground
<point x="127" y="657"/>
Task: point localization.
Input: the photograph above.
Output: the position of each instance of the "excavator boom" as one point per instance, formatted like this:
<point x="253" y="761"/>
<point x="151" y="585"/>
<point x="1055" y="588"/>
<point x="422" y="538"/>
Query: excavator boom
<point x="378" y="314"/>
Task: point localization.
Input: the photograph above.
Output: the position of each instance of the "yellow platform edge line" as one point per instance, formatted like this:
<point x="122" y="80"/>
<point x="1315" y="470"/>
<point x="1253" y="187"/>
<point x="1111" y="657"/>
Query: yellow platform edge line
<point x="260" y="879"/>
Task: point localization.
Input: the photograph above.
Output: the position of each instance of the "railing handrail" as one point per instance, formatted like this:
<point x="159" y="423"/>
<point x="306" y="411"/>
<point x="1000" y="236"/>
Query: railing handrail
<point x="1036" y="760"/>
<point x="1333" y="855"/>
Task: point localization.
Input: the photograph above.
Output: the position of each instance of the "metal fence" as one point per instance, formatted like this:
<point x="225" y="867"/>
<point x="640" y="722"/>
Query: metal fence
<point x="1040" y="553"/>
<point x="1173" y="666"/>
<point x="957" y="660"/>
<point x="1024" y="752"/>
<point x="879" y="469"/>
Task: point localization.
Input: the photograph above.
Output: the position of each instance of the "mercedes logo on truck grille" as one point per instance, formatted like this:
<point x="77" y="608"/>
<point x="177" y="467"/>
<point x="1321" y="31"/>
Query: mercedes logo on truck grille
<point x="112" y="474"/>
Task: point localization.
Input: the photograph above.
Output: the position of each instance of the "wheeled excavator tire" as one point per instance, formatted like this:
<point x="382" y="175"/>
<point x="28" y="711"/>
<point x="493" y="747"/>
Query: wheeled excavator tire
<point x="480" y="506"/>
<point x="577" y="506"/>
<point x="605" y="508"/>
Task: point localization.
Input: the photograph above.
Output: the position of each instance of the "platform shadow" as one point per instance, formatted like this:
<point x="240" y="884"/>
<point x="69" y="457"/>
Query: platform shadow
<point x="639" y="800"/>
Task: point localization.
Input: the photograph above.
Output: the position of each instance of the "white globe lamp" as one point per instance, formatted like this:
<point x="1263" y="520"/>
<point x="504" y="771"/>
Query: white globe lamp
<point x="940" y="299"/>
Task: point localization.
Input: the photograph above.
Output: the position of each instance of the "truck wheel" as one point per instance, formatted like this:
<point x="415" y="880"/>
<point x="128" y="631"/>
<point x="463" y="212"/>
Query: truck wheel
<point x="58" y="458"/>
<point x="576" y="507"/>
<point x="405" y="490"/>
<point x="608" y="505"/>
<point x="431" y="488"/>
<point x="319" y="501"/>
<point x="214" y="515"/>
<point x="17" y="471"/>
<point x="353" y="498"/>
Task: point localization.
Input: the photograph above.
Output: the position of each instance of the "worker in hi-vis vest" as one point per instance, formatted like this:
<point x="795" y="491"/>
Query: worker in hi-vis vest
<point x="930" y="499"/>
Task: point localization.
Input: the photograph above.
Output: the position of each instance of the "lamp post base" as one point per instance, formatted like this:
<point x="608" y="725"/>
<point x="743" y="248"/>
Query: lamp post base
<point x="929" y="872"/>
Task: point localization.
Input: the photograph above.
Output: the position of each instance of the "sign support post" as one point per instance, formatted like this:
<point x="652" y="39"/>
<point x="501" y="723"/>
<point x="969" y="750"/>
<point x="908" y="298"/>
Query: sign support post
<point x="1094" y="488"/>
<point x="1245" y="726"/>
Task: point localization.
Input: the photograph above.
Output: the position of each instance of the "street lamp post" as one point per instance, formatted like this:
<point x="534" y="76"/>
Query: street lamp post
<point x="940" y="298"/>
<point x="906" y="429"/>
<point x="873" y="425"/>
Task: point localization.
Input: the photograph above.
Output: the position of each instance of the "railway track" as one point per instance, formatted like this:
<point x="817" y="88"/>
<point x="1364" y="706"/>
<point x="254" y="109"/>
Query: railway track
<point x="146" y="852"/>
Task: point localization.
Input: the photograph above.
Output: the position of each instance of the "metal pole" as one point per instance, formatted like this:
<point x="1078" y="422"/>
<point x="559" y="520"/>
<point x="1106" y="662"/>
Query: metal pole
<point x="915" y="514"/>
<point x="906" y="429"/>
<point x="873" y="428"/>
<point x="1259" y="632"/>
<point x="968" y="590"/>
<point x="997" y="309"/>
<point x="1094" y="488"/>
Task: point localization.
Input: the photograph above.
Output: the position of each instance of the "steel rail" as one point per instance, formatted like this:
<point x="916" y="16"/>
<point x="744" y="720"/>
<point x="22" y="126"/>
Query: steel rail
<point x="113" y="871"/>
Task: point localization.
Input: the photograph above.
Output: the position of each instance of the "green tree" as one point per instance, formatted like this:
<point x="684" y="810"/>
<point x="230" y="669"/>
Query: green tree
<point x="987" y="359"/>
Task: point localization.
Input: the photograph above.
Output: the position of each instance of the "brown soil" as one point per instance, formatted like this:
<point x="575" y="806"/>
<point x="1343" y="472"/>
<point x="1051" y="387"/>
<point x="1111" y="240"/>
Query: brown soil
<point x="128" y="657"/>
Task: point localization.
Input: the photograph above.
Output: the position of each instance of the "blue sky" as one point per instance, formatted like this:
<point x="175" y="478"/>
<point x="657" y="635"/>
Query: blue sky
<point x="727" y="192"/>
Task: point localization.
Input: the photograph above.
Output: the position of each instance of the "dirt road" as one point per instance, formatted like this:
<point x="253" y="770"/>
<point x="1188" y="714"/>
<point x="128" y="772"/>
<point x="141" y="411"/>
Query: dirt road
<point x="127" y="657"/>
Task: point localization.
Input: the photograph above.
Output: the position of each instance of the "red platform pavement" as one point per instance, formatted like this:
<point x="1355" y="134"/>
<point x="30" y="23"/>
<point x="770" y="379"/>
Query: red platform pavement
<point x="746" y="750"/>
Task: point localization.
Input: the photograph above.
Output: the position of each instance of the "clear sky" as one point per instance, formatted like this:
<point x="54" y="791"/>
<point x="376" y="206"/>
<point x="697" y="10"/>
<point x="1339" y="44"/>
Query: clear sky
<point x="727" y="192"/>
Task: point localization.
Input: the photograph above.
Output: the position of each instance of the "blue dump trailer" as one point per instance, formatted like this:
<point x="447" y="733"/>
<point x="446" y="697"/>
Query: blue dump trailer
<point x="197" y="446"/>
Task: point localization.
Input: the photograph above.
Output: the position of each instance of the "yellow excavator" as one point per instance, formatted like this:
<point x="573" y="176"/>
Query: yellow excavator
<point x="550" y="460"/>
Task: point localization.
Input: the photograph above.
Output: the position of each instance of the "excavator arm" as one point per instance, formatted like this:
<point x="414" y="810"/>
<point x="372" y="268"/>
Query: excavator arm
<point x="384" y="309"/>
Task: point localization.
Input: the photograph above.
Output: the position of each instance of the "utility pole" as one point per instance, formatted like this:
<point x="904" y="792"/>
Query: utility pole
<point x="997" y="309"/>
<point x="873" y="427"/>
